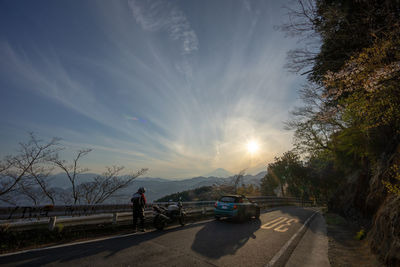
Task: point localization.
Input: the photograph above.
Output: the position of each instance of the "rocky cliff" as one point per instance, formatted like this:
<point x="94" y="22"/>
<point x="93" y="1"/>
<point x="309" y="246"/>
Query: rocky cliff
<point x="365" y="199"/>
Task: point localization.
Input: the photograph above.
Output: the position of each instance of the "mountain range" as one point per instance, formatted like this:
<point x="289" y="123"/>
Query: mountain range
<point x="159" y="187"/>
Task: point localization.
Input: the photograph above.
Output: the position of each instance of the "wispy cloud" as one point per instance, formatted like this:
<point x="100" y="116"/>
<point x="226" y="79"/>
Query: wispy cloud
<point x="247" y="4"/>
<point x="139" y="107"/>
<point x="130" y="118"/>
<point x="163" y="16"/>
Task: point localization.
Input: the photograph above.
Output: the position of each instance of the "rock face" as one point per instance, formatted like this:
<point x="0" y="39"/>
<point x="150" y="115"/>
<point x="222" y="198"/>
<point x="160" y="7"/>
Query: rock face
<point x="384" y="235"/>
<point x="365" y="199"/>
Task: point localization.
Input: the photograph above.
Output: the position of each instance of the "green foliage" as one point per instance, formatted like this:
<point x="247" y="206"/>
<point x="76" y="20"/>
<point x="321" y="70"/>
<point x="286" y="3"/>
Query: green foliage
<point x="335" y="219"/>
<point x="360" y="235"/>
<point x="59" y="227"/>
<point x="208" y="193"/>
<point x="346" y="27"/>
<point x="393" y="183"/>
<point x="352" y="105"/>
<point x="289" y="174"/>
<point x="268" y="184"/>
<point x="249" y="190"/>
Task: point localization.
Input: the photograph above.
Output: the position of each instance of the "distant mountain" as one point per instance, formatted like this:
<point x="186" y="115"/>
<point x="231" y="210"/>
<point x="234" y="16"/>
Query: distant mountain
<point x="159" y="187"/>
<point x="220" y="172"/>
<point x="155" y="187"/>
<point x="61" y="179"/>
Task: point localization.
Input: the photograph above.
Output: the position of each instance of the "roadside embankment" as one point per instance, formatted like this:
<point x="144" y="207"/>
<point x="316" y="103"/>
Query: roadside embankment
<point x="365" y="200"/>
<point x="347" y="245"/>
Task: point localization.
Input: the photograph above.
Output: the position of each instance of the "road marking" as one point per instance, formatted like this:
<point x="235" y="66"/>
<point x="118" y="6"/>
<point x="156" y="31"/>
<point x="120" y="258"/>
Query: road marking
<point x="287" y="244"/>
<point x="282" y="227"/>
<point x="88" y="241"/>
<point x="274" y="223"/>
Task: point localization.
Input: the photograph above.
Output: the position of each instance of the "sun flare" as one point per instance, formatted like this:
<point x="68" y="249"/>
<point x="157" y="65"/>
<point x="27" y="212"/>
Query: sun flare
<point x="252" y="147"/>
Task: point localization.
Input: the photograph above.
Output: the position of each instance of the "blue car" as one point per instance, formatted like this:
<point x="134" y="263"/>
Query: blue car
<point x="236" y="207"/>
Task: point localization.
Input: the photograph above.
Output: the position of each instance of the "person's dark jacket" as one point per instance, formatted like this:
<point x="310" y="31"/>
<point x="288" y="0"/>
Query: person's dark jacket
<point x="139" y="202"/>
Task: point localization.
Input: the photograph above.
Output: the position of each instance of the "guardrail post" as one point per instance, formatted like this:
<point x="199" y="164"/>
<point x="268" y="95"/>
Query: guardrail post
<point x="52" y="223"/>
<point x="115" y="218"/>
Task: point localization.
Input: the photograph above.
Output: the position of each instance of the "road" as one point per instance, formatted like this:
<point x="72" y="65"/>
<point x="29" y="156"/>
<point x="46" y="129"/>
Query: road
<point x="207" y="243"/>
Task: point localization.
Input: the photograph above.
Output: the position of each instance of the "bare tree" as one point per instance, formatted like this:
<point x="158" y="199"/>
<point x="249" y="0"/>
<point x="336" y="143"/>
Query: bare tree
<point x="237" y="179"/>
<point x="27" y="170"/>
<point x="73" y="171"/>
<point x="104" y="186"/>
<point x="100" y="188"/>
<point x="301" y="23"/>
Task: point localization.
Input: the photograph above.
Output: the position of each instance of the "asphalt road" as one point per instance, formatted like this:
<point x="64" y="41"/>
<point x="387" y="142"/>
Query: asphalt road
<point x="207" y="243"/>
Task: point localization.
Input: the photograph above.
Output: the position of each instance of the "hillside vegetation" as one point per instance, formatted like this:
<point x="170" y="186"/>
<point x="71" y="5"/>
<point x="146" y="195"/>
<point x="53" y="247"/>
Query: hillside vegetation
<point x="347" y="132"/>
<point x="209" y="193"/>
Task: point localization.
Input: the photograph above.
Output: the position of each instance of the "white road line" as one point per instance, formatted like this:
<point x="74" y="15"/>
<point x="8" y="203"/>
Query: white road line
<point x="287" y="244"/>
<point x="85" y="242"/>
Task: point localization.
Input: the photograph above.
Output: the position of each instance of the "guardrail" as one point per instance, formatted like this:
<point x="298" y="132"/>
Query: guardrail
<point x="27" y="217"/>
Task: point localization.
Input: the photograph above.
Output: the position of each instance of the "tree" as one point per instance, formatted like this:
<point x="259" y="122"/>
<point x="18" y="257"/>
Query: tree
<point x="269" y="183"/>
<point x="28" y="171"/>
<point x="100" y="187"/>
<point x="104" y="186"/>
<point x="249" y="190"/>
<point x="28" y="174"/>
<point x="352" y="104"/>
<point x="289" y="173"/>
<point x="334" y="31"/>
<point x="237" y="179"/>
<point x="73" y="171"/>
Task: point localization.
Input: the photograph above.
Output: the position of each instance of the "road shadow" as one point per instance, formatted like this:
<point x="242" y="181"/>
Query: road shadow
<point x="219" y="238"/>
<point x="107" y="248"/>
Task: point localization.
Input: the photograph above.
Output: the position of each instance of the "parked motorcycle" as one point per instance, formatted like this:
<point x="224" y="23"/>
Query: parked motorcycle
<point x="171" y="214"/>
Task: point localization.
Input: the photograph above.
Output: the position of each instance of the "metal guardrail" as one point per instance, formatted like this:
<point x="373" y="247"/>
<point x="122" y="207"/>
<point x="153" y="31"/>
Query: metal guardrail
<point x="27" y="217"/>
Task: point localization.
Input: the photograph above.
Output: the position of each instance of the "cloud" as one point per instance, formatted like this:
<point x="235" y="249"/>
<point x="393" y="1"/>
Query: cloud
<point x="163" y="16"/>
<point x="130" y="118"/>
<point x="247" y="5"/>
<point x="144" y="110"/>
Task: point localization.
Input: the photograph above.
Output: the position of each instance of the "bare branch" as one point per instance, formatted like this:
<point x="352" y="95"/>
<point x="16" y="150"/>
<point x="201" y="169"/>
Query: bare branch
<point x="104" y="186"/>
<point x="72" y="171"/>
<point x="16" y="171"/>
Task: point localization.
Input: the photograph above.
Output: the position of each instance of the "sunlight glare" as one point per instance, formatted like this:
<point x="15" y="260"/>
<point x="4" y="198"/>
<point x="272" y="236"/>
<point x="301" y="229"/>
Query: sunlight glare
<point x="252" y="147"/>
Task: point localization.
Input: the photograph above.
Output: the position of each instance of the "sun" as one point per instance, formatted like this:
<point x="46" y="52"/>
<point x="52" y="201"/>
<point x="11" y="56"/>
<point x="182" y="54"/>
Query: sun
<point x="252" y="147"/>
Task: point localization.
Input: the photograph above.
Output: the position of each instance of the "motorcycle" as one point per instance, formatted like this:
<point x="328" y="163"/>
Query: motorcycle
<point x="171" y="214"/>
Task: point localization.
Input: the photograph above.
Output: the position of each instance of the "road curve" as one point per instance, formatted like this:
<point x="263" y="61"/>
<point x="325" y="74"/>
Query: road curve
<point x="207" y="243"/>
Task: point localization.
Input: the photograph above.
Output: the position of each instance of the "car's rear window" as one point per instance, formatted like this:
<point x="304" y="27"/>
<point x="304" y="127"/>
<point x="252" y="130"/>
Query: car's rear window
<point x="230" y="199"/>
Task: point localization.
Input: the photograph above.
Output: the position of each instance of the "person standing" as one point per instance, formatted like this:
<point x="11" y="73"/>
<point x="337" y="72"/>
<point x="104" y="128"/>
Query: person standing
<point x="138" y="204"/>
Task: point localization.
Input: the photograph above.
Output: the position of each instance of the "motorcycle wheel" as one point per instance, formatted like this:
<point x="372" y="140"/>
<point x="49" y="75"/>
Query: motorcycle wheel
<point x="158" y="223"/>
<point x="258" y="213"/>
<point x="182" y="220"/>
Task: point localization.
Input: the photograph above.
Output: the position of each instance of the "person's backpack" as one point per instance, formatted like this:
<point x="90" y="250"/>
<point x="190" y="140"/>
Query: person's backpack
<point x="136" y="200"/>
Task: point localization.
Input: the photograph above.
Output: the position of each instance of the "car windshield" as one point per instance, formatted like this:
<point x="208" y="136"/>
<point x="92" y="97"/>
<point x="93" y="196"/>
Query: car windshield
<point x="229" y="199"/>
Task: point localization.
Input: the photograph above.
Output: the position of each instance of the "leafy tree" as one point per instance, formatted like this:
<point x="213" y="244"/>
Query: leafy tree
<point x="289" y="173"/>
<point x="333" y="31"/>
<point x="268" y="184"/>
<point x="352" y="104"/>
<point x="249" y="190"/>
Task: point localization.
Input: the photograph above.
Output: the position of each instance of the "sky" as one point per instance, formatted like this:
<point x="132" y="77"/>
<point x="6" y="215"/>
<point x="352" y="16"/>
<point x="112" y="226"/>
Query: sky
<point x="179" y="87"/>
